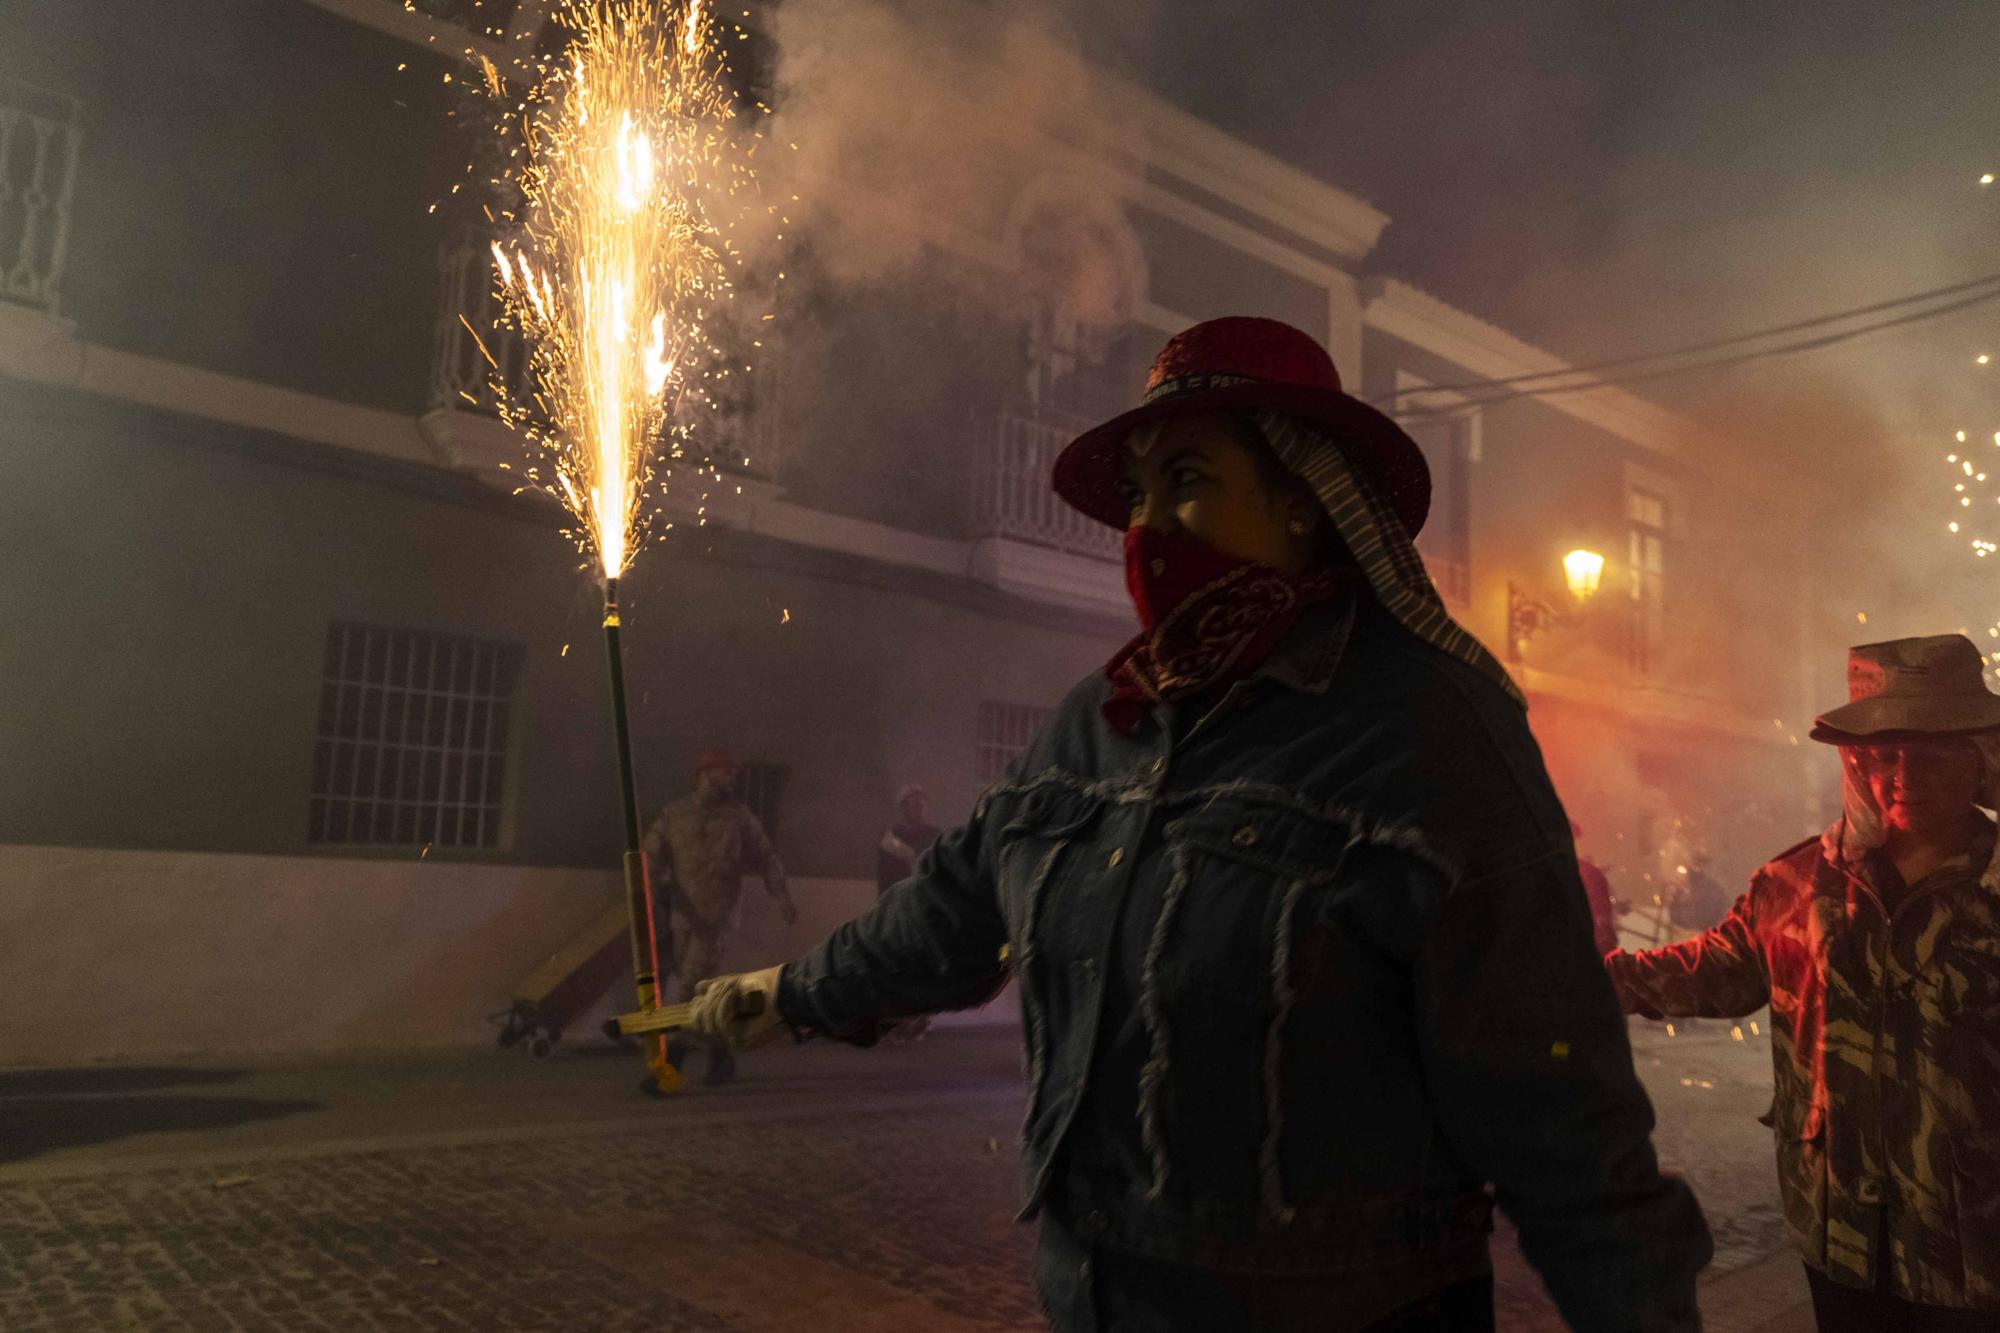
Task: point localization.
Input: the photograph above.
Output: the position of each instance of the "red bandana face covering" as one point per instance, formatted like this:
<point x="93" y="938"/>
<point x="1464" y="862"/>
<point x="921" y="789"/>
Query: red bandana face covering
<point x="1207" y="618"/>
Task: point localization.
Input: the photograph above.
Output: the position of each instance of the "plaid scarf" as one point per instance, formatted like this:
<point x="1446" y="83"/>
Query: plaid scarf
<point x="1375" y="538"/>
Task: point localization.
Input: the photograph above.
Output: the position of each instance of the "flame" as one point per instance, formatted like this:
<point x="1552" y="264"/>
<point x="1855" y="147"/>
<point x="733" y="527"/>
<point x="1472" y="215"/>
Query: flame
<point x="631" y="170"/>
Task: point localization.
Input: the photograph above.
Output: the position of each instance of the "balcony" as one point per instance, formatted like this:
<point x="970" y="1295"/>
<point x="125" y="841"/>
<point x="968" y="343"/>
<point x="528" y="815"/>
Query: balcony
<point x="462" y="378"/>
<point x="38" y="155"/>
<point x="1011" y="498"/>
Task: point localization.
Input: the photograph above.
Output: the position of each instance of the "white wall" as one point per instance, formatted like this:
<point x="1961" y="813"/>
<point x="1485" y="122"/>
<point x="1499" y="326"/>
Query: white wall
<point x="149" y="955"/>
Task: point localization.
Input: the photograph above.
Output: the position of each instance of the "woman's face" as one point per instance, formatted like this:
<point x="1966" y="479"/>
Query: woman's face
<point x="1200" y="478"/>
<point x="1922" y="787"/>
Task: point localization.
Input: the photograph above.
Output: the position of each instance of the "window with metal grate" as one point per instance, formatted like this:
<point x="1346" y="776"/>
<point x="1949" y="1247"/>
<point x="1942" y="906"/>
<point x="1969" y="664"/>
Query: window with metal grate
<point x="1005" y="730"/>
<point x="412" y="741"/>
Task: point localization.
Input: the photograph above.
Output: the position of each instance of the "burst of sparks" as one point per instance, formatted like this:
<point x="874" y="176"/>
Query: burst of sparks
<point x="631" y="179"/>
<point x="1973" y="518"/>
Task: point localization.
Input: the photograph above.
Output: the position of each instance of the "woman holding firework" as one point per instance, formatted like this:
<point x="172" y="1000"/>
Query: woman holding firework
<point x="1305" y="965"/>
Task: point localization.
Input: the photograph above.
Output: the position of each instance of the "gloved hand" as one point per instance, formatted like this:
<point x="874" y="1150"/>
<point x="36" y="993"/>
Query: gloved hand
<point x="719" y="1001"/>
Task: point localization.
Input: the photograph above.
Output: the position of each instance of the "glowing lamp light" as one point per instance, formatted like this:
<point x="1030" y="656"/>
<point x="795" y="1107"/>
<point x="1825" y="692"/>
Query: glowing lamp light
<point x="1583" y="571"/>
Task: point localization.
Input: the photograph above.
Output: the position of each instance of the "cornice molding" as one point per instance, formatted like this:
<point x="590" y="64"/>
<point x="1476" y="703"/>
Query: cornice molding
<point x="1394" y="307"/>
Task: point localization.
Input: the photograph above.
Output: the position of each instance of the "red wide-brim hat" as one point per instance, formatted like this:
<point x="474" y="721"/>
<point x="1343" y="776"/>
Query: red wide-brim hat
<point x="1242" y="364"/>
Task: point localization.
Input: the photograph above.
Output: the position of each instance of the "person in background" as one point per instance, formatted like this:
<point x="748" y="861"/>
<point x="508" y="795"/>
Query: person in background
<point x="1604" y="909"/>
<point x="1305" y="969"/>
<point x="1700" y="900"/>
<point x="698" y="850"/>
<point x="1877" y="946"/>
<point x="909" y="835"/>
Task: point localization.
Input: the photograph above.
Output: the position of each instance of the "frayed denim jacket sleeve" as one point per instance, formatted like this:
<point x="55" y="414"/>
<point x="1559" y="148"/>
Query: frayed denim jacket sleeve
<point x="932" y="942"/>
<point x="1526" y="1053"/>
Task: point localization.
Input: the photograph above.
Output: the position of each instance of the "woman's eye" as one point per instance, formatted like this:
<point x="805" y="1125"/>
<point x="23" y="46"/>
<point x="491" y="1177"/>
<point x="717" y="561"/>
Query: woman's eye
<point x="1184" y="477"/>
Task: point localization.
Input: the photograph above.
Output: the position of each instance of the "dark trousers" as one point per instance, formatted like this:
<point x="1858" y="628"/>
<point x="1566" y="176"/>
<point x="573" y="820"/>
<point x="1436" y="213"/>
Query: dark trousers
<point x="1089" y="1288"/>
<point x="1841" y="1309"/>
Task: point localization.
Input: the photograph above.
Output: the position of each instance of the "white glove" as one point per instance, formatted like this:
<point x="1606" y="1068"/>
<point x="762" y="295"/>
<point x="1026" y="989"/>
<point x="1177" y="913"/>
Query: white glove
<point x="720" y="1002"/>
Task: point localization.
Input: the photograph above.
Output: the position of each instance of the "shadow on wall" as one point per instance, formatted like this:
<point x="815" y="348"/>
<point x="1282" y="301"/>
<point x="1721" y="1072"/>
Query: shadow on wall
<point x="44" y="1110"/>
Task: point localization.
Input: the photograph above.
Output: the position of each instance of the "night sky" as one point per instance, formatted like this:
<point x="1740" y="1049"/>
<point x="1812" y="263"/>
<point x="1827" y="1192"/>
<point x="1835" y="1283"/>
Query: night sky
<point x="1608" y="178"/>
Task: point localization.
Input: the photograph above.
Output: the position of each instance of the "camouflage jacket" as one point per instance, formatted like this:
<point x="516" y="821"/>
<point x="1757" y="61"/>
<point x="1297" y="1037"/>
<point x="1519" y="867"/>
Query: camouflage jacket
<point x="1885" y="1036"/>
<point x="701" y="850"/>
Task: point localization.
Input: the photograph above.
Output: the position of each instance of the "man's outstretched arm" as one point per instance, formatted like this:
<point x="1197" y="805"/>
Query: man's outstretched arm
<point x="1717" y="974"/>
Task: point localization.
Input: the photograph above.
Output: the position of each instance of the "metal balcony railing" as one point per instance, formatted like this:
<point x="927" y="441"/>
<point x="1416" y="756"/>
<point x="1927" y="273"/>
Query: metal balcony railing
<point x="461" y="375"/>
<point x="1011" y="498"/>
<point x="39" y="138"/>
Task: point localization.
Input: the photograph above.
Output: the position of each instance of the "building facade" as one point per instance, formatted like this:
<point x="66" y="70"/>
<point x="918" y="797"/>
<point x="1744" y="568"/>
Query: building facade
<point x="305" y="708"/>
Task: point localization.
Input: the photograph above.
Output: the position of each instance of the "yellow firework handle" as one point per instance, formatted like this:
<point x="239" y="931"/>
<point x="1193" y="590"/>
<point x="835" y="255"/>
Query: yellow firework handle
<point x="673" y="1017"/>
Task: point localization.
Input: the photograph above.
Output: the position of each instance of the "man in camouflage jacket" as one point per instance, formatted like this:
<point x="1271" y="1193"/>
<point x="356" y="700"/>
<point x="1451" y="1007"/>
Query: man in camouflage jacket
<point x="1877" y="947"/>
<point x="699" y="849"/>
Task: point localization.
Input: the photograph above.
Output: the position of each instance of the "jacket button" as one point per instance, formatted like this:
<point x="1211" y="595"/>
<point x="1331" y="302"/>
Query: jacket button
<point x="1117" y="855"/>
<point x="1246" y="836"/>
<point x="1096" y="1224"/>
<point x="1869" y="1191"/>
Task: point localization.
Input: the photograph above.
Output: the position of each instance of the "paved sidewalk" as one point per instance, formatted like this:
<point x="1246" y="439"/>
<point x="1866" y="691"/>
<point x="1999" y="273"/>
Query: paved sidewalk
<point x="830" y="1190"/>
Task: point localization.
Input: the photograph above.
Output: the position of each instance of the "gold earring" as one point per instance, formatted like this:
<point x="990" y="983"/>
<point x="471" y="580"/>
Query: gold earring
<point x="1298" y="527"/>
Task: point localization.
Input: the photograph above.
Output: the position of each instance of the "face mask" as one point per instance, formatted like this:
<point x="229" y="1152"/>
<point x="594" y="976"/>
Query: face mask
<point x="1164" y="569"/>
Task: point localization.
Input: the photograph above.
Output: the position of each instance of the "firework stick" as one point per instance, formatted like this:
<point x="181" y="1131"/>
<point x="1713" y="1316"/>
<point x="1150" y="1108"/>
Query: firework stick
<point x="638" y="888"/>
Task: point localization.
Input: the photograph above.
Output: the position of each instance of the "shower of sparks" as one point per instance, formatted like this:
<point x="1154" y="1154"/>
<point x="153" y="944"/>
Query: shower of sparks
<point x="631" y="177"/>
<point x="1973" y="511"/>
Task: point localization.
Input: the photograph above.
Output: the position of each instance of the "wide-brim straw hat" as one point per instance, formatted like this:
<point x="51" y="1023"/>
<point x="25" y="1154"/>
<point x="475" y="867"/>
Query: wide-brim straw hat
<point x="1931" y="686"/>
<point x="1242" y="364"/>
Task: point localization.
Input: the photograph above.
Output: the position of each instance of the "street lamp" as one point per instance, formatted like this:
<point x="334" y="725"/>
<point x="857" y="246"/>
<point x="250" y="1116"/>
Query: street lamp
<point x="1527" y="616"/>
<point x="1583" y="571"/>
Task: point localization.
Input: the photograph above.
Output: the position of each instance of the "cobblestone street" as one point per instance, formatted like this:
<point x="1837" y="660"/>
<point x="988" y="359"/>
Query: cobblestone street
<point x="829" y="1190"/>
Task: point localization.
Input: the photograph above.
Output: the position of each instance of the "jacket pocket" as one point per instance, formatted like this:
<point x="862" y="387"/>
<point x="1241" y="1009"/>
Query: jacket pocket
<point x="1802" y="1185"/>
<point x="1975" y="1166"/>
<point x="1035" y="857"/>
<point x="1036" y="860"/>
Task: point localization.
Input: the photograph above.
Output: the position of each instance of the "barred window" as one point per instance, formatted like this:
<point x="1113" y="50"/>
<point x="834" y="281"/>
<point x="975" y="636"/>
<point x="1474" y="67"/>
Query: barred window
<point x="411" y="748"/>
<point x="1004" y="731"/>
<point x="762" y="787"/>
<point x="38" y="159"/>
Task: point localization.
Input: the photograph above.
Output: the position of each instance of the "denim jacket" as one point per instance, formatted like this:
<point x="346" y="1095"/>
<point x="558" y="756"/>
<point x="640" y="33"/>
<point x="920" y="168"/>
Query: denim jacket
<point x="1302" y="974"/>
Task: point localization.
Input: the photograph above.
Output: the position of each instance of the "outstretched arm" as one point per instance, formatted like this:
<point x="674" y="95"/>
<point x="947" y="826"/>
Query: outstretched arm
<point x="758" y="851"/>
<point x="658" y="851"/>
<point x="931" y="942"/>
<point x="1717" y="974"/>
